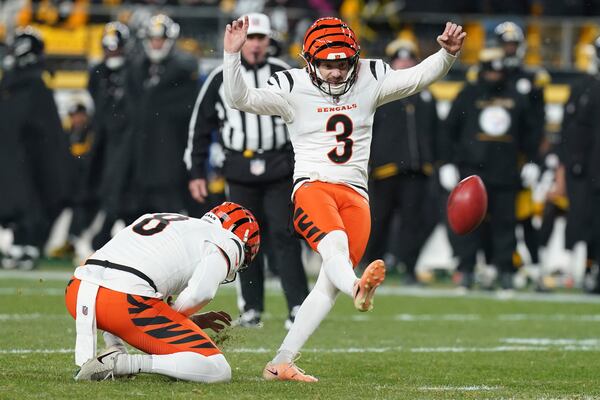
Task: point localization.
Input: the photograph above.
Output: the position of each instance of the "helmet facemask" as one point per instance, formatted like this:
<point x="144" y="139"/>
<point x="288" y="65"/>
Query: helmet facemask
<point x="160" y="27"/>
<point x="26" y="49"/>
<point x="328" y="40"/>
<point x="510" y="33"/>
<point x="114" y="40"/>
<point x="333" y="89"/>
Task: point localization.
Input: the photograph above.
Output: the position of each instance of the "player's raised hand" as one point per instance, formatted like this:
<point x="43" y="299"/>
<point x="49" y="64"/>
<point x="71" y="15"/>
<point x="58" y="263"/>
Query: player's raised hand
<point x="235" y="35"/>
<point x="452" y="38"/>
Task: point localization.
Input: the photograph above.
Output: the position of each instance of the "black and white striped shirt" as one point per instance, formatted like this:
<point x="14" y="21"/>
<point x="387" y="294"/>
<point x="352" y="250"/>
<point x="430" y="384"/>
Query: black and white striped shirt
<point x="239" y="131"/>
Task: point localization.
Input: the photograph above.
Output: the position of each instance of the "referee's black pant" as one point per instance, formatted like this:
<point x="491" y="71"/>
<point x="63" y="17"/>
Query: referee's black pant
<point x="270" y="203"/>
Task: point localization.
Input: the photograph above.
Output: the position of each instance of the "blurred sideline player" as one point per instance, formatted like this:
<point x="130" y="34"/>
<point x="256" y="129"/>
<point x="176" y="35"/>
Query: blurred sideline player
<point x="328" y="108"/>
<point x="487" y="129"/>
<point x="529" y="82"/>
<point x="121" y="289"/>
<point x="580" y="155"/>
<point x="402" y="156"/>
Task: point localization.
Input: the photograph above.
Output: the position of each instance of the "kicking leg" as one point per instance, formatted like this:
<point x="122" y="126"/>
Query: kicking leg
<point x="338" y="268"/>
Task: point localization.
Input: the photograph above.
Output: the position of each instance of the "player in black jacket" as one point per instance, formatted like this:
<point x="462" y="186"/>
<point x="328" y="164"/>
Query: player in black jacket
<point x="162" y="86"/>
<point x="107" y="176"/>
<point x="33" y="151"/>
<point x="529" y="82"/>
<point x="488" y="127"/>
<point x="580" y="153"/>
<point x="402" y="156"/>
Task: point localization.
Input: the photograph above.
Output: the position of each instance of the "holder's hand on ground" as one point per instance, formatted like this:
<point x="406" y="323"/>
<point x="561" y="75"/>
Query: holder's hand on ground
<point x="452" y="38"/>
<point x="211" y="320"/>
<point x="235" y="35"/>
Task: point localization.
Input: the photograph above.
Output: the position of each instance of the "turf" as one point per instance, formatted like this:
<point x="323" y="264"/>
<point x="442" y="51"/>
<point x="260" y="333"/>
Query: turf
<point x="409" y="347"/>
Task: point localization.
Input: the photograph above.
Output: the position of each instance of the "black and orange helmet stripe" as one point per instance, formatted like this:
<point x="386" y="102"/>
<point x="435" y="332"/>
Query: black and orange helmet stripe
<point x="329" y="33"/>
<point x="242" y="223"/>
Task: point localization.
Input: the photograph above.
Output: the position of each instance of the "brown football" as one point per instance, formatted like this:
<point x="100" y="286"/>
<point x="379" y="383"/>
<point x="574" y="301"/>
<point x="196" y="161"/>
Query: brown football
<point x="467" y="205"/>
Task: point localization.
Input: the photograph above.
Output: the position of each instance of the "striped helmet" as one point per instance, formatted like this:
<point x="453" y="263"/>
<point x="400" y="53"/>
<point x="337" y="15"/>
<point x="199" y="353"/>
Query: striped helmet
<point x="242" y="224"/>
<point x="329" y="39"/>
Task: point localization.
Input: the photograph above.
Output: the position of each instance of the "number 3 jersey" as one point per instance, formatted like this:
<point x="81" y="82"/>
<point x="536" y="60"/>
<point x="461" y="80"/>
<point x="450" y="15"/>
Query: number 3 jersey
<point x="166" y="248"/>
<point x="331" y="136"/>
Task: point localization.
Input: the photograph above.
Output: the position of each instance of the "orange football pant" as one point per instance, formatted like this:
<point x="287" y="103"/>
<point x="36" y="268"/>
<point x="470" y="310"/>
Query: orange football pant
<point x="146" y="323"/>
<point x="321" y="207"/>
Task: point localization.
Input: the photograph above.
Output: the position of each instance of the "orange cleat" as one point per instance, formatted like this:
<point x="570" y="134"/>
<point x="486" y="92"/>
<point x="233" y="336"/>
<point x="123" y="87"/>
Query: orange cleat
<point x="286" y="372"/>
<point x="364" y="288"/>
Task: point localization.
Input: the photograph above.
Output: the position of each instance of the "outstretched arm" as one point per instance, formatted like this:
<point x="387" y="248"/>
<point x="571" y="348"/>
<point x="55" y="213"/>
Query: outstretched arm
<point x="205" y="281"/>
<point x="405" y="82"/>
<point x="237" y="94"/>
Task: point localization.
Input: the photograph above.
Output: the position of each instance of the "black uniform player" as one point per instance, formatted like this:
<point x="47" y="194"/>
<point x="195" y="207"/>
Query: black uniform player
<point x="489" y="126"/>
<point x="33" y="151"/>
<point x="402" y="156"/>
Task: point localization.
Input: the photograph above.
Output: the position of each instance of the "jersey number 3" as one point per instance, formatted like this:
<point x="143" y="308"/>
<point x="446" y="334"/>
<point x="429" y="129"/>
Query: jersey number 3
<point x="157" y="223"/>
<point x="343" y="137"/>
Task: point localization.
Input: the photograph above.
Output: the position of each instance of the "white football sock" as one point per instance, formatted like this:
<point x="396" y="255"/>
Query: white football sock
<point x="127" y="364"/>
<point x="313" y="310"/>
<point x="192" y="367"/>
<point x="185" y="365"/>
<point x="336" y="261"/>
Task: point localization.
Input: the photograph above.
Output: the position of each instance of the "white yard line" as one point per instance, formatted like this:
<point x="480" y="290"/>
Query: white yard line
<point x="503" y="349"/>
<point x="577" y="346"/>
<point x="591" y="318"/>
<point x="274" y="285"/>
<point x="475" y="388"/>
<point x="552" y="341"/>
<point x="36" y="275"/>
<point x="405" y="317"/>
<point x="29" y="317"/>
<point x="437" y="317"/>
<point x="12" y="291"/>
<point x="36" y="351"/>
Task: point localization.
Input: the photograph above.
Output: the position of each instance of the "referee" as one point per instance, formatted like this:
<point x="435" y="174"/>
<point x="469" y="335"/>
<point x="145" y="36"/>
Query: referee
<point x="258" y="170"/>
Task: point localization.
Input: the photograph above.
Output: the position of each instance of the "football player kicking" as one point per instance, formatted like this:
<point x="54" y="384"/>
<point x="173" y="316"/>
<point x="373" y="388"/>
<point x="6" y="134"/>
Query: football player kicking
<point x="121" y="289"/>
<point x="328" y="107"/>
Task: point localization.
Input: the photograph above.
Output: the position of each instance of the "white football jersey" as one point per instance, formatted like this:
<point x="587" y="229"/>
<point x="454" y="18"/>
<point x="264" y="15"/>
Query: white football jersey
<point x="166" y="248"/>
<point x="331" y="136"/>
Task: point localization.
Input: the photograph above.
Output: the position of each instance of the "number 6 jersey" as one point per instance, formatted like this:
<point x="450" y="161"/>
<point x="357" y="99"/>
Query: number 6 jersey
<point x="331" y="136"/>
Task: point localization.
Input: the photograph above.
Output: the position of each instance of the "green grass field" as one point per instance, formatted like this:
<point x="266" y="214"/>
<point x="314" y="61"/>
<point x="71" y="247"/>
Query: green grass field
<point x="423" y="344"/>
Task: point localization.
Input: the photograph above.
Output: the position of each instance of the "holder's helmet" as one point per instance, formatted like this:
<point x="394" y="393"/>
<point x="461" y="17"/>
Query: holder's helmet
<point x="241" y="222"/>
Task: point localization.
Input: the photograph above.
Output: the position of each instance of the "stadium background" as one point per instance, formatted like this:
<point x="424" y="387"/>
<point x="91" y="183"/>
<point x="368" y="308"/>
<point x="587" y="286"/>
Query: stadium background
<point x="419" y="343"/>
<point x="558" y="38"/>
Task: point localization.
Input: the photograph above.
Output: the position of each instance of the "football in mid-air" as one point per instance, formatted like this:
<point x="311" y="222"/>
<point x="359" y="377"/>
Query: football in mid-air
<point x="467" y="205"/>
